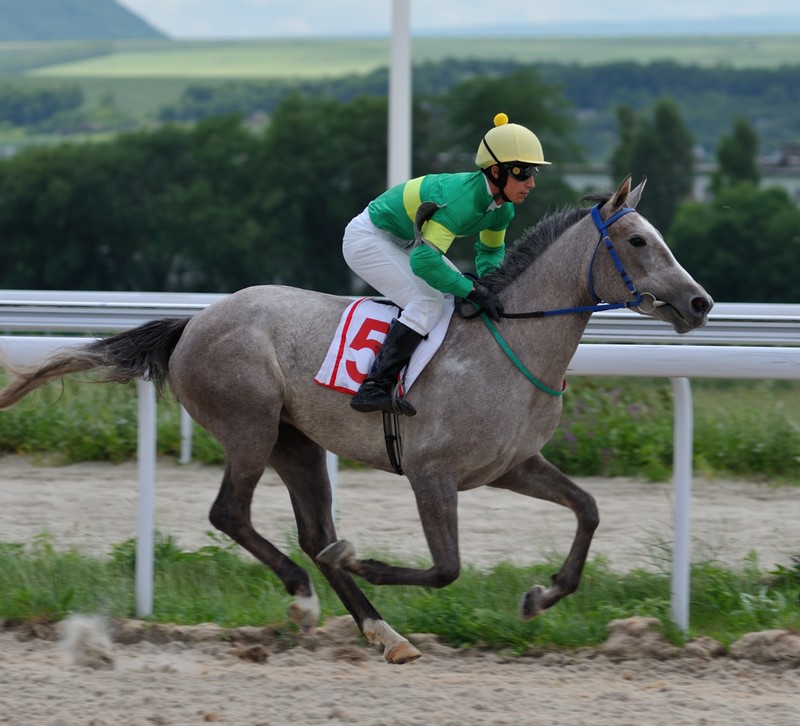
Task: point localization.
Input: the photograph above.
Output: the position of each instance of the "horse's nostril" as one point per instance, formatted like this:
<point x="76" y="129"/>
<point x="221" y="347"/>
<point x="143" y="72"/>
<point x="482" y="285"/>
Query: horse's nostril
<point x="700" y="304"/>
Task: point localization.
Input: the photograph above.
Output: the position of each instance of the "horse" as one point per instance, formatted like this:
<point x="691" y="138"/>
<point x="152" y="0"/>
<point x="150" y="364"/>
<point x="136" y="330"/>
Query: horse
<point x="244" y="370"/>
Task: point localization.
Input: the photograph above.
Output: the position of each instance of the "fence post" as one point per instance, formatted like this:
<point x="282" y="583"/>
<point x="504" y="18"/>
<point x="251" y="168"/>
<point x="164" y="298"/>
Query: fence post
<point x="186" y="437"/>
<point x="147" y="475"/>
<point x="682" y="474"/>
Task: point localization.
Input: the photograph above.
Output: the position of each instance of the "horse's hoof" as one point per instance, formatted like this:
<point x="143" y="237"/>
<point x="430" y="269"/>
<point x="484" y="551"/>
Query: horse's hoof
<point x="337" y="554"/>
<point x="304" y="613"/>
<point x="530" y="604"/>
<point x="402" y="652"/>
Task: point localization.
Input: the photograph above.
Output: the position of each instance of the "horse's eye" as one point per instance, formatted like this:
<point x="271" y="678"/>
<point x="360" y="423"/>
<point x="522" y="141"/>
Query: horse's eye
<point x="637" y="241"/>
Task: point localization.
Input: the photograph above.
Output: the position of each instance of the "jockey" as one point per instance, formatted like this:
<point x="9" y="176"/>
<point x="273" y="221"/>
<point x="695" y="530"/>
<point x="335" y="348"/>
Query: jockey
<point x="379" y="246"/>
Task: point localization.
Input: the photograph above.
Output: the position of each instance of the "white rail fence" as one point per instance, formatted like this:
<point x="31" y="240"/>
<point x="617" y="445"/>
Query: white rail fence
<point x="740" y="341"/>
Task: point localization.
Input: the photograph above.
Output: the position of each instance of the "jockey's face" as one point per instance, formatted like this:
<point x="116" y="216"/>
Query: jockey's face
<point x="517" y="191"/>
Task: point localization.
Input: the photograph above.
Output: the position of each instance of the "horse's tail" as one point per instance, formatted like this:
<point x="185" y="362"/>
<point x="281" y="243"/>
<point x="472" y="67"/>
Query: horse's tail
<point x="143" y="352"/>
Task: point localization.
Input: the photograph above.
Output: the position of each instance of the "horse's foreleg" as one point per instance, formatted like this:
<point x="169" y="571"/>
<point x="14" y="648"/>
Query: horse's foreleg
<point x="538" y="478"/>
<point x="300" y="463"/>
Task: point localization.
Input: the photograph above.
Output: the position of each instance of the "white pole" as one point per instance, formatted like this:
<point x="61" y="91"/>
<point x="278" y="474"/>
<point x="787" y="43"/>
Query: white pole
<point x="399" y="155"/>
<point x="332" y="462"/>
<point x="682" y="472"/>
<point x="186" y="437"/>
<point x="147" y="475"/>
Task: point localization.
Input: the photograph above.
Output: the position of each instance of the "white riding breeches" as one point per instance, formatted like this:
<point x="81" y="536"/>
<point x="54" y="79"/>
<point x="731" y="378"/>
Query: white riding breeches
<point x="383" y="261"/>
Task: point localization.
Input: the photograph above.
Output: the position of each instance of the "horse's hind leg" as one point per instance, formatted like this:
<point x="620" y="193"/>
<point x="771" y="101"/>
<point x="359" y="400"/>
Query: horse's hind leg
<point x="437" y="505"/>
<point x="300" y="463"/>
<point x="230" y="514"/>
<point x="538" y="478"/>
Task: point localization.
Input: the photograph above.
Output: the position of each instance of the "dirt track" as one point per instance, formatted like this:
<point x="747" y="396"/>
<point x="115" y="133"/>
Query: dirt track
<point x="334" y="678"/>
<point x="95" y="505"/>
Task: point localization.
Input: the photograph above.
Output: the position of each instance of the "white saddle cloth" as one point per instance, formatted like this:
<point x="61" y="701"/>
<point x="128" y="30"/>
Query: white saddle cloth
<point x="365" y="322"/>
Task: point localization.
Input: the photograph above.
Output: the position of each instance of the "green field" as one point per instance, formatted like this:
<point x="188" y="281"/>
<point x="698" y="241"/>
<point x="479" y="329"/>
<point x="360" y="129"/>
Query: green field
<point x="139" y="78"/>
<point x="145" y="75"/>
<point x="334" y="57"/>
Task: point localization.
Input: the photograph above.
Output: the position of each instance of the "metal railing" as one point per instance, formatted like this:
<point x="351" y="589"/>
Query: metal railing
<point x="38" y="311"/>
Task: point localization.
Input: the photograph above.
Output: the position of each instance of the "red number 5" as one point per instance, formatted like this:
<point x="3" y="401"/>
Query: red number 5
<point x="362" y="340"/>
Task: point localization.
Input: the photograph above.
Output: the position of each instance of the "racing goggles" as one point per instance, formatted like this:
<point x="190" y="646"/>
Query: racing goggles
<point x="520" y="171"/>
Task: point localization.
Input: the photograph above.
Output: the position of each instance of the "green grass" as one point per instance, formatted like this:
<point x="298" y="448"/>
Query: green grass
<point x="624" y="427"/>
<point x="610" y="427"/>
<point x="233" y="59"/>
<point x="138" y="97"/>
<point x="296" y="58"/>
<point x="215" y="584"/>
<point x="83" y="421"/>
<point x="18" y="57"/>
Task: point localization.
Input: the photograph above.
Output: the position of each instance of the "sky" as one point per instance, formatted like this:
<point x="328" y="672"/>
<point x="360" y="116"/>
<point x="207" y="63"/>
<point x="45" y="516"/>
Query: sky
<point x="205" y="19"/>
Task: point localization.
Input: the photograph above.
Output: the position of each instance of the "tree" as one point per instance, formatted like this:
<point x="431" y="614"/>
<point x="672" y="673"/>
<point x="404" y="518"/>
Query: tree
<point x="744" y="246"/>
<point x="736" y="157"/>
<point x="662" y="150"/>
<point x="320" y="163"/>
<point x="29" y="106"/>
<point x="525" y="97"/>
<point x="161" y="210"/>
<point x="622" y="157"/>
<point x="213" y="208"/>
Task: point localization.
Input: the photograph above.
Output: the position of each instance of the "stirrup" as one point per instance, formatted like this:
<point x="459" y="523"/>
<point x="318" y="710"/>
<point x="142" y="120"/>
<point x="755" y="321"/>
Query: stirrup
<point x="399" y="404"/>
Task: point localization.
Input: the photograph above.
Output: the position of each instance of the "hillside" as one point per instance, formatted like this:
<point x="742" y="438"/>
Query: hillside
<point x="37" y="20"/>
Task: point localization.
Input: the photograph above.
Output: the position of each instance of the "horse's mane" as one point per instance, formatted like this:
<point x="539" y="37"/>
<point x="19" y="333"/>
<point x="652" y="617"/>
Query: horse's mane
<point x="535" y="240"/>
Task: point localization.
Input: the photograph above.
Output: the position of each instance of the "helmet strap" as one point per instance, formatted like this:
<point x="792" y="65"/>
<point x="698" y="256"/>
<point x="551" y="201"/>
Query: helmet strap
<point x="500" y="182"/>
<point x="502" y="174"/>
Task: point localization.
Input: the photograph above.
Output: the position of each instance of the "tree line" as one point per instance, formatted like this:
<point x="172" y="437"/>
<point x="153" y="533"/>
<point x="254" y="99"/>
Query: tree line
<point x="708" y="98"/>
<point x="30" y="105"/>
<point x="214" y="206"/>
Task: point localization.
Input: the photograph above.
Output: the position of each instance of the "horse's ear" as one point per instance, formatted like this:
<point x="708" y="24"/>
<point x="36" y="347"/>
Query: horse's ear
<point x="621" y="195"/>
<point x="636" y="193"/>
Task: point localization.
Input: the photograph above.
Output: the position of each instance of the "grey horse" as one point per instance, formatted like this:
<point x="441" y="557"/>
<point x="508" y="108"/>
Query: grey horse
<point x="244" y="369"/>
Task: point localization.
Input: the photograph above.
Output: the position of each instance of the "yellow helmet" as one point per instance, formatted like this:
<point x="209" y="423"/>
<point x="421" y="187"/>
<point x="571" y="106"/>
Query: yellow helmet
<point x="507" y="143"/>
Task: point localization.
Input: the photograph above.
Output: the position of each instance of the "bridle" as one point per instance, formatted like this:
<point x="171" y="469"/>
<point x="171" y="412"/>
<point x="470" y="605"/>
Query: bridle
<point x="637" y="298"/>
<point x="635" y="302"/>
<point x="602" y="228"/>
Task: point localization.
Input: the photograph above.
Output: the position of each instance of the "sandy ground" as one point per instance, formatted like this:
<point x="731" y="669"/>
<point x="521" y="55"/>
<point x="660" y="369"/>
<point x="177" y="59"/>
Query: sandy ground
<point x="336" y="679"/>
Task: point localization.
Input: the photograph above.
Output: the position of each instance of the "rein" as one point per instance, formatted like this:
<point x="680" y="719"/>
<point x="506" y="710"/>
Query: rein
<point x="635" y="302"/>
<point x="518" y="363"/>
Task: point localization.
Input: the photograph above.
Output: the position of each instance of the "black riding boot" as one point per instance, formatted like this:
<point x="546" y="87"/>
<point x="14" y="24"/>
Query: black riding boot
<point x="375" y="393"/>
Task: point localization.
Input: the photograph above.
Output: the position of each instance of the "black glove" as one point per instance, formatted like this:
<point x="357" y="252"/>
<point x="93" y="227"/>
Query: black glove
<point x="489" y="302"/>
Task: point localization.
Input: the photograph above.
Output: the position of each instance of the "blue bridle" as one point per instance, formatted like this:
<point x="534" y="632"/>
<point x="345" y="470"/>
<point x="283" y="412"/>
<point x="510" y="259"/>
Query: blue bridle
<point x="602" y="228"/>
<point x="636" y="297"/>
